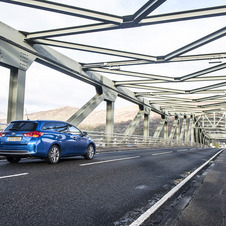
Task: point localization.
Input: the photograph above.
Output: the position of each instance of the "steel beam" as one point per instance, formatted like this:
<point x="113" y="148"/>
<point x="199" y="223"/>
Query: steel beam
<point x="83" y="112"/>
<point x="185" y="15"/>
<point x="94" y="49"/>
<point x="68" y="10"/>
<point x="109" y="120"/>
<point x="159" y="129"/>
<point x="203" y="72"/>
<point x="200" y="42"/>
<point x="131" y="128"/>
<point x="146" y="9"/>
<point x="156" y="19"/>
<point x="16" y="95"/>
<point x="131" y="74"/>
<point x="175" y="126"/>
<point x="146" y="125"/>
<point x="204" y="88"/>
<point x="174" y="91"/>
<point x="210" y="56"/>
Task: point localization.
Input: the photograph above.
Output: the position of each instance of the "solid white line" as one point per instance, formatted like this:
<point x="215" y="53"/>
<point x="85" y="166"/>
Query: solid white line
<point x="106" y="161"/>
<point x="15" y="175"/>
<point x="151" y="210"/>
<point x="162" y="153"/>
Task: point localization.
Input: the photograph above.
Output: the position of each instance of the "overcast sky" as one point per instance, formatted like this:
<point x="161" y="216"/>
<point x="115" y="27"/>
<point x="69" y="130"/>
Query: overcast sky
<point x="47" y="89"/>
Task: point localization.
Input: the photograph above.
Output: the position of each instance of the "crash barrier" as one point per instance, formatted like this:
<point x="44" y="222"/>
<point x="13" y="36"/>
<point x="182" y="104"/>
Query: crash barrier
<point x="104" y="140"/>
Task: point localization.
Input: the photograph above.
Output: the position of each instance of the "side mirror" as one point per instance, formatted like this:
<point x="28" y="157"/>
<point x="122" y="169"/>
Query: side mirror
<point x="84" y="134"/>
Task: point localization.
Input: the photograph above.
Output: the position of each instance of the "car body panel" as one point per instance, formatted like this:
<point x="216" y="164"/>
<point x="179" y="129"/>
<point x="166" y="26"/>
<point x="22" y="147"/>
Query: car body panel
<point x="70" y="139"/>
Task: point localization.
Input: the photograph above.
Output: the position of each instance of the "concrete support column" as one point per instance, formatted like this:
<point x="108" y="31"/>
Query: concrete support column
<point x="109" y="120"/>
<point x="16" y="95"/>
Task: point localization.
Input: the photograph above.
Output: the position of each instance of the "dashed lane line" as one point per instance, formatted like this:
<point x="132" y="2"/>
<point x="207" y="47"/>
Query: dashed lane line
<point x="14" y="175"/>
<point x="162" y="153"/>
<point x="111" y="160"/>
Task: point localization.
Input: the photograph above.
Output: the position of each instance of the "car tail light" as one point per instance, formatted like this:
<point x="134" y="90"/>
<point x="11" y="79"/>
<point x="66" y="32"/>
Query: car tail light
<point x="2" y="134"/>
<point x="36" y="134"/>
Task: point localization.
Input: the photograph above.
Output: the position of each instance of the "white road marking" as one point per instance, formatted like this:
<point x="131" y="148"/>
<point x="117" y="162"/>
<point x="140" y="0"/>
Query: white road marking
<point x="151" y="210"/>
<point x="182" y="150"/>
<point x="112" y="160"/>
<point x="15" y="175"/>
<point x="162" y="153"/>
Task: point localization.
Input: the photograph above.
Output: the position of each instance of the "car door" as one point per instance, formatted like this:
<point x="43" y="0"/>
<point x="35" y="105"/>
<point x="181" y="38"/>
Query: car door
<point x="79" y="142"/>
<point x="63" y="138"/>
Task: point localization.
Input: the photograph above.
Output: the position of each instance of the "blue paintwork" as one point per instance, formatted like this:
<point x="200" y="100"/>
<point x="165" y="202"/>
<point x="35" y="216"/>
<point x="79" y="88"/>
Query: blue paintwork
<point x="70" y="144"/>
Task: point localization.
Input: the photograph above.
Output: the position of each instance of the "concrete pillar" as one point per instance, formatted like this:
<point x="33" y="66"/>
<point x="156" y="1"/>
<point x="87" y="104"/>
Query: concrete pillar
<point x="16" y="95"/>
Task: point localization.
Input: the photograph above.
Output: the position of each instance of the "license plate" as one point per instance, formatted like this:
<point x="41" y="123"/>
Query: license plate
<point x="14" y="138"/>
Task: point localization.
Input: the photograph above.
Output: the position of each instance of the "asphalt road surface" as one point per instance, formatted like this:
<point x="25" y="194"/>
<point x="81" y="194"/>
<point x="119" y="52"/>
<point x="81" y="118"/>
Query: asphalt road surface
<point x="112" y="189"/>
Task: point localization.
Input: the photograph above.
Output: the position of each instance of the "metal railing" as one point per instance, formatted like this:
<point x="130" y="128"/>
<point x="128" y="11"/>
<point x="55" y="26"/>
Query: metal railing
<point x="104" y="140"/>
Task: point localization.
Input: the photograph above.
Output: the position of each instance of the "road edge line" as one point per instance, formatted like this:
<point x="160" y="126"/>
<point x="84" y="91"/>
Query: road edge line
<point x="168" y="195"/>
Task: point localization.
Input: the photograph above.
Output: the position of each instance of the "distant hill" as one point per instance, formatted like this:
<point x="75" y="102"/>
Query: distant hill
<point x="95" y="121"/>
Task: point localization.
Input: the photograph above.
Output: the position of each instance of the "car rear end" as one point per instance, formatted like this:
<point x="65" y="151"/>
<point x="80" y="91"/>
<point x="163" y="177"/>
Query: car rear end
<point x="19" y="139"/>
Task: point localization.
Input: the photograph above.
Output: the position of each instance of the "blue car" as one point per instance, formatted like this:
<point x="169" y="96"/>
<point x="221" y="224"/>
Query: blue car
<point x="49" y="140"/>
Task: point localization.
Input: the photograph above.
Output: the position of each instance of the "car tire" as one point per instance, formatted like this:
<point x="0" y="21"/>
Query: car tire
<point x="13" y="159"/>
<point x="53" y="155"/>
<point x="89" y="152"/>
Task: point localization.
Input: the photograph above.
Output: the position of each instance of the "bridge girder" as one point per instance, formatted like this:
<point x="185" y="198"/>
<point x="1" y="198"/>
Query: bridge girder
<point x="20" y="49"/>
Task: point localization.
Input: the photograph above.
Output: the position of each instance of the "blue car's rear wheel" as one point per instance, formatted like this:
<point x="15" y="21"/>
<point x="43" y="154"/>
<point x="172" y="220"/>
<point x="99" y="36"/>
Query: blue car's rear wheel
<point x="53" y="155"/>
<point x="89" y="152"/>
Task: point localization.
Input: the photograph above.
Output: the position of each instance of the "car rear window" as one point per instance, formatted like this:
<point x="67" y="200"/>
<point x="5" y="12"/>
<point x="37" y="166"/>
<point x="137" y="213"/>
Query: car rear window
<point x="21" y="126"/>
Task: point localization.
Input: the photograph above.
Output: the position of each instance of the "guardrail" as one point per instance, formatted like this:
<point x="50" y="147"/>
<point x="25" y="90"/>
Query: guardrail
<point x="104" y="140"/>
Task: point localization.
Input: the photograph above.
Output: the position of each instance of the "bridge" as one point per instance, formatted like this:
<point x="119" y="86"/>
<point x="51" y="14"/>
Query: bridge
<point x="195" y="100"/>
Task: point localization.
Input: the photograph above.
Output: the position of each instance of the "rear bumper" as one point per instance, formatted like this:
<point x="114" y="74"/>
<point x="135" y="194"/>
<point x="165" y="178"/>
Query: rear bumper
<point x="14" y="153"/>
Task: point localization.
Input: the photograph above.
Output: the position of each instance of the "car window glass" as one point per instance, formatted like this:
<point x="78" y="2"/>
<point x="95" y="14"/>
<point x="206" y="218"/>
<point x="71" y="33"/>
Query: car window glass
<point x="50" y="126"/>
<point x="21" y="126"/>
<point x="61" y="127"/>
<point x="74" y="130"/>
